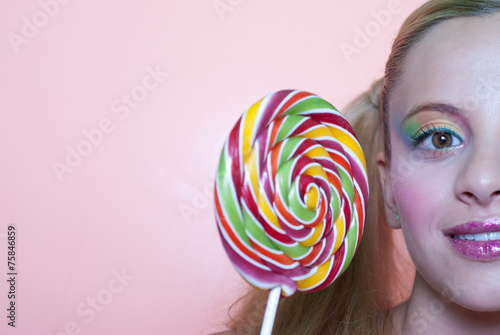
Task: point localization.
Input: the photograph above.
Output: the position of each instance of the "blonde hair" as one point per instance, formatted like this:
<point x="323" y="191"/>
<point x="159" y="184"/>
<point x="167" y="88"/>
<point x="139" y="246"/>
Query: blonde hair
<point x="360" y="300"/>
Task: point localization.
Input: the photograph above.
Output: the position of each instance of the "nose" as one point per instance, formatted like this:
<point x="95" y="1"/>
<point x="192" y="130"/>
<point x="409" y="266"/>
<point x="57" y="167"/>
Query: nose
<point x="479" y="181"/>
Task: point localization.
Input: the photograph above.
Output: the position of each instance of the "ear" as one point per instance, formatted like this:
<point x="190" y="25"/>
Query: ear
<point x="391" y="210"/>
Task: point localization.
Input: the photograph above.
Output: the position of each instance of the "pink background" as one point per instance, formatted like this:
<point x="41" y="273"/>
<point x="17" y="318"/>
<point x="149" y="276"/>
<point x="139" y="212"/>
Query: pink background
<point x="138" y="200"/>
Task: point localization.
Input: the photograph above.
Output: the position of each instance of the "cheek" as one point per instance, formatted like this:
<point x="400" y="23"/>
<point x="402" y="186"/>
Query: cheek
<point x="420" y="198"/>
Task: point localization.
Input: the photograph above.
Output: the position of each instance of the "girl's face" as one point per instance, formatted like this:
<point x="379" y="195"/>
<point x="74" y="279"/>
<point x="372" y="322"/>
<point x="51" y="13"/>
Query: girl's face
<point x="444" y="176"/>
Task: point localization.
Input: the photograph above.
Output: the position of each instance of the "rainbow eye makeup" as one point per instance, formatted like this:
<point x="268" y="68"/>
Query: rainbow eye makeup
<point x="432" y="133"/>
<point x="434" y="129"/>
<point x="436" y="137"/>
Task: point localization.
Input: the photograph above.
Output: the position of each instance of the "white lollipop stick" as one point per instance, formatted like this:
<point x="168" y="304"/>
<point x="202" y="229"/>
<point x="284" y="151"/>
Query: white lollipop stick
<point x="272" y="306"/>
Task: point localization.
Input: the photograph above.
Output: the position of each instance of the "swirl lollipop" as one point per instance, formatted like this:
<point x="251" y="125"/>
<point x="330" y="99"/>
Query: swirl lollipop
<point x="290" y="195"/>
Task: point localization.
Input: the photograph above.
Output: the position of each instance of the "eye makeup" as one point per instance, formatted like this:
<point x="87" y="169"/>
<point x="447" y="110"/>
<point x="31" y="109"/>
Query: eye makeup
<point x="411" y="128"/>
<point x="431" y="131"/>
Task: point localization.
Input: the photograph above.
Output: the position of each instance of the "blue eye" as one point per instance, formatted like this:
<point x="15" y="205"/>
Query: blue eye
<point x="437" y="138"/>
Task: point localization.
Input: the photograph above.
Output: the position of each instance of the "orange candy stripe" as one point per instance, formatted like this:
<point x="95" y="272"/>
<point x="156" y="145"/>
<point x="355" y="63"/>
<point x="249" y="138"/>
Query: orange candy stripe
<point x="230" y="232"/>
<point x="275" y="130"/>
<point x="293" y="100"/>
<point x="319" y="218"/>
<point x="282" y="210"/>
<point x="280" y="258"/>
<point x="312" y="255"/>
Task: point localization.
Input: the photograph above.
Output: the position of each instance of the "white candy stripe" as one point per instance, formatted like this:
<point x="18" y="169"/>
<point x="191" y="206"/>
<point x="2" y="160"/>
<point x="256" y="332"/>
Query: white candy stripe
<point x="305" y="276"/>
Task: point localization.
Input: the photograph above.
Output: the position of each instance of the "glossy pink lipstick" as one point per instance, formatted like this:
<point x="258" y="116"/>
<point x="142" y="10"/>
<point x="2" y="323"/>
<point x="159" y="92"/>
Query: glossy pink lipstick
<point x="477" y="240"/>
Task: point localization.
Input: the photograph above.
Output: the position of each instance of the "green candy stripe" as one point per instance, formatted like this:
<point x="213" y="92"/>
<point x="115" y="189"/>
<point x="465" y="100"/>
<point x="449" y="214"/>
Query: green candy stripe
<point x="283" y="178"/>
<point x="335" y="201"/>
<point x="253" y="228"/>
<point x="347" y="184"/>
<point x="229" y="201"/>
<point x="288" y="148"/>
<point x="309" y="104"/>
<point x="351" y="238"/>
<point x="288" y="125"/>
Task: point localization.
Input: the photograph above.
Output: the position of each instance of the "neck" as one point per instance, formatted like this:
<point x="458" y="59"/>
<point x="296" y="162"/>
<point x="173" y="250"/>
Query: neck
<point x="427" y="311"/>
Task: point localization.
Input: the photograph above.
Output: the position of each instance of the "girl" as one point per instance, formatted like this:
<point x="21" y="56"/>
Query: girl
<point x="428" y="130"/>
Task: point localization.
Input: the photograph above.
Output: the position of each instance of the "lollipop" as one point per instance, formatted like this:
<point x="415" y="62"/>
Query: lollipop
<point x="290" y="194"/>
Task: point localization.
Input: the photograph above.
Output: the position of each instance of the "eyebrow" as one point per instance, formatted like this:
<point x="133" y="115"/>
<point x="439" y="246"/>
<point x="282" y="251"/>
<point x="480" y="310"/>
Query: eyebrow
<point x="434" y="106"/>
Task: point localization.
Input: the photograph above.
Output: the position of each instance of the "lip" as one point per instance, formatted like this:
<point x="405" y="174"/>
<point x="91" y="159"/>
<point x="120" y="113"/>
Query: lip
<point x="475" y="227"/>
<point x="482" y="251"/>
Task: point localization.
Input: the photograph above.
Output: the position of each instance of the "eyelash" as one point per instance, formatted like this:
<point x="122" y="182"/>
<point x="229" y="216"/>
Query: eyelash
<point x="426" y="131"/>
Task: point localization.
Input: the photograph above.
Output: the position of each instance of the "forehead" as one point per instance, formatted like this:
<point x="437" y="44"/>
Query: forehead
<point x="450" y="63"/>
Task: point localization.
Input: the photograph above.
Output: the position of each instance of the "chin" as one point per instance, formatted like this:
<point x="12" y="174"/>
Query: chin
<point x="479" y="305"/>
<point x="474" y="295"/>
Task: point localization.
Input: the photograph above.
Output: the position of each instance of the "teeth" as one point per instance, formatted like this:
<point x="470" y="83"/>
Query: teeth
<point x="479" y="237"/>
